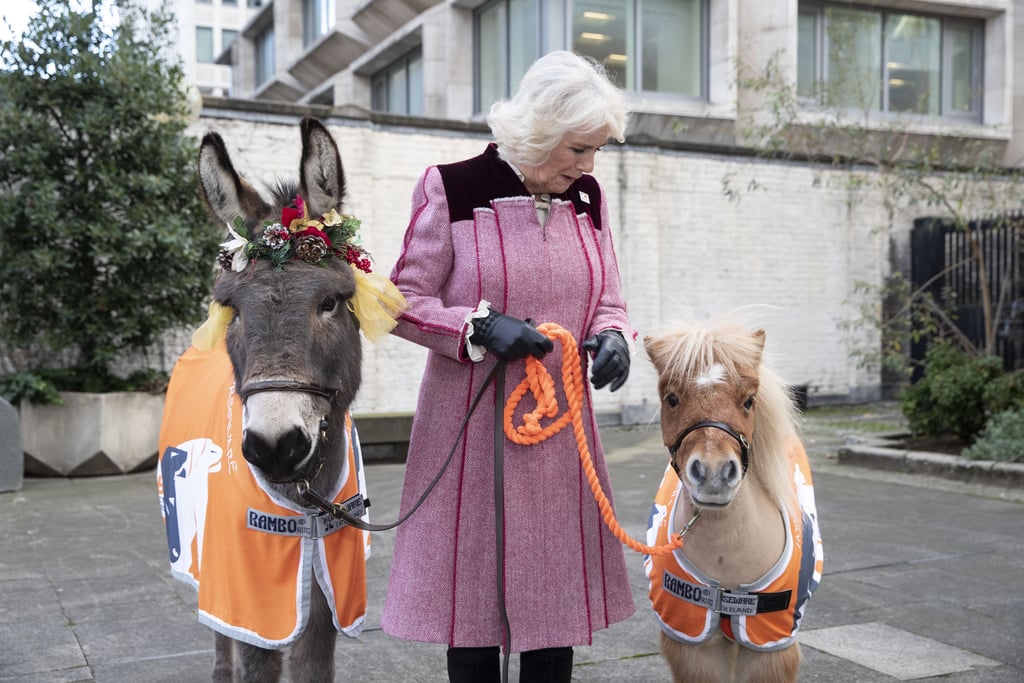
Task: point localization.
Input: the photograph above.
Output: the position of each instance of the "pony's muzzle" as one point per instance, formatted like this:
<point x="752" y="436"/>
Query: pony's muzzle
<point x="712" y="482"/>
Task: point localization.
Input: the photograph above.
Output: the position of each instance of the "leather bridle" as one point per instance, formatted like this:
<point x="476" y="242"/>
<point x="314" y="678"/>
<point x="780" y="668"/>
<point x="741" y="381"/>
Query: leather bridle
<point x="320" y="457"/>
<point x="714" y="424"/>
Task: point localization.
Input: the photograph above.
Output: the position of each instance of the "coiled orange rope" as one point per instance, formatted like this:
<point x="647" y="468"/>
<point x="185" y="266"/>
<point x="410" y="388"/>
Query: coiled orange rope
<point x="542" y="386"/>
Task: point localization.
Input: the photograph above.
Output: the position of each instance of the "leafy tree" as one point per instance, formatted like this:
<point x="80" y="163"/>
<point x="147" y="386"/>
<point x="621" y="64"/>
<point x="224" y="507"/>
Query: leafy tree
<point x="104" y="246"/>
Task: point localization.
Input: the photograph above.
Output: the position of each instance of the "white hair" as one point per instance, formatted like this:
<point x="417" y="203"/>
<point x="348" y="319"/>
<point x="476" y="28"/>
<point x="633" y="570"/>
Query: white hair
<point x="561" y="93"/>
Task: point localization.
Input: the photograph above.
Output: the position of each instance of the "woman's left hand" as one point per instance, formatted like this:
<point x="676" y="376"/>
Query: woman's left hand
<point x="611" y="359"/>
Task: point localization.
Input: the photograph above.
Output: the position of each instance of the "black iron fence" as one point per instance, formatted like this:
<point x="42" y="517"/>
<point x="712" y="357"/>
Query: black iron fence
<point x="943" y="260"/>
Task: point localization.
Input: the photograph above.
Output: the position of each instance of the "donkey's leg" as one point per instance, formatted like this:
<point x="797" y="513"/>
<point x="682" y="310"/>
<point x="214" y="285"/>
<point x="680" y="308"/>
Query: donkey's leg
<point x="256" y="664"/>
<point x="224" y="653"/>
<point x="312" y="656"/>
<point x="780" y="666"/>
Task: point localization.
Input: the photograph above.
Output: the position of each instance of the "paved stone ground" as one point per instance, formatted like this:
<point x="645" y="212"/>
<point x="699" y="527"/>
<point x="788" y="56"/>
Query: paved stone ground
<point x="922" y="582"/>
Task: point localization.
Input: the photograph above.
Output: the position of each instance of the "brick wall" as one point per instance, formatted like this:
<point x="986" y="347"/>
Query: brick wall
<point x="788" y="249"/>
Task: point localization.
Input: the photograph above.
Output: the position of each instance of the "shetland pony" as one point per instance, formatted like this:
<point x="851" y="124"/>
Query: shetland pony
<point x="738" y="487"/>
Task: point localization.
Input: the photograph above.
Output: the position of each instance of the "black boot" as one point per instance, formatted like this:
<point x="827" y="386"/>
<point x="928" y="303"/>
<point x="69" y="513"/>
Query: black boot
<point x="474" y="665"/>
<point x="550" y="665"/>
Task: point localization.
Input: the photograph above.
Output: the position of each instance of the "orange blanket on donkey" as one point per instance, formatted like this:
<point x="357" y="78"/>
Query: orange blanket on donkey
<point x="252" y="554"/>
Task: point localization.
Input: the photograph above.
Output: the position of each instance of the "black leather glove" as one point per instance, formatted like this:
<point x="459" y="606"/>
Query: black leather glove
<point x="509" y="338"/>
<point x="611" y="359"/>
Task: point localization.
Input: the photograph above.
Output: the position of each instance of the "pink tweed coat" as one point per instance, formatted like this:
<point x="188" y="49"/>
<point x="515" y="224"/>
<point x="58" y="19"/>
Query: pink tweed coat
<point x="474" y="234"/>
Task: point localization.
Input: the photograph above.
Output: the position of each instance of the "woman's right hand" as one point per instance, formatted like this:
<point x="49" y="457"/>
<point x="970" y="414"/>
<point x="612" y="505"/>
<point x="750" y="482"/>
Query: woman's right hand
<point x="509" y="338"/>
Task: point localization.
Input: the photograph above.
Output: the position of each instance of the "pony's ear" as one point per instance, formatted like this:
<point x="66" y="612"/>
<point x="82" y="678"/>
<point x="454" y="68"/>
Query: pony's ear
<point x="226" y="195"/>
<point x="321" y="177"/>
<point x="759" y="339"/>
<point x="655" y="348"/>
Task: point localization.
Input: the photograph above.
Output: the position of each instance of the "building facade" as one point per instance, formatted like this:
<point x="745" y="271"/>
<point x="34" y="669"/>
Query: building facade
<point x="704" y="223"/>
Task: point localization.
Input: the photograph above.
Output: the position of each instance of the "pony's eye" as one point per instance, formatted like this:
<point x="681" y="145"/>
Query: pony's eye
<point x="328" y="305"/>
<point x="671" y="399"/>
<point x="749" y="403"/>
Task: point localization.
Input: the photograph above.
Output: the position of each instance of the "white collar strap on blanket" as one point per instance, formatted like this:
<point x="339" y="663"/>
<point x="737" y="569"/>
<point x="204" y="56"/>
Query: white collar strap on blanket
<point x="318" y="525"/>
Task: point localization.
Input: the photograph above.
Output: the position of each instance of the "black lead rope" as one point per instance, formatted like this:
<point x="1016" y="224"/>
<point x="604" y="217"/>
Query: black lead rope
<point x="499" y="515"/>
<point x="314" y="499"/>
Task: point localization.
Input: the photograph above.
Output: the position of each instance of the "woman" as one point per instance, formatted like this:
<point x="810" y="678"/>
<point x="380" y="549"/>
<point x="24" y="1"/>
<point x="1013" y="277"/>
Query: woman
<point x="519" y="232"/>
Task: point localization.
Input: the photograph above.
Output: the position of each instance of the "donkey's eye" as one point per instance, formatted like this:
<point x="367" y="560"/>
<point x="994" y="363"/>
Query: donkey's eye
<point x="749" y="403"/>
<point x="671" y="399"/>
<point x="328" y="305"/>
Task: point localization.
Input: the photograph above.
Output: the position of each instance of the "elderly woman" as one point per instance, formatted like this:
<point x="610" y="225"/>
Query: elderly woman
<point x="520" y="232"/>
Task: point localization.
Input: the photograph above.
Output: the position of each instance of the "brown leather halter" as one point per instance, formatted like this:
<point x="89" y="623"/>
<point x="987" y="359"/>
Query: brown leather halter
<point x="740" y="439"/>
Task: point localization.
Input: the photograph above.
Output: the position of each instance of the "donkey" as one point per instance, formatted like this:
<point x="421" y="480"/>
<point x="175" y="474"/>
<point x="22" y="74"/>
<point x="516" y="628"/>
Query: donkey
<point x="282" y="377"/>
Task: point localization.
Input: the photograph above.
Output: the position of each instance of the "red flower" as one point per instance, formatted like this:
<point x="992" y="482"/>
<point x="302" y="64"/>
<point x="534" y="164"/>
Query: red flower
<point x="315" y="232"/>
<point x="292" y="213"/>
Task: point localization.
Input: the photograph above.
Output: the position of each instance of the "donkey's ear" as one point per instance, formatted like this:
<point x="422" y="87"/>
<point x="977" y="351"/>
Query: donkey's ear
<point x="227" y="196"/>
<point x="321" y="176"/>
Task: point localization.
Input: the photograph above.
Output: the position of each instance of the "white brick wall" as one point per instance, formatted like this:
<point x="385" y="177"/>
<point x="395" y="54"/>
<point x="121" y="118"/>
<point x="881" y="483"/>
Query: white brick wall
<point x="791" y="248"/>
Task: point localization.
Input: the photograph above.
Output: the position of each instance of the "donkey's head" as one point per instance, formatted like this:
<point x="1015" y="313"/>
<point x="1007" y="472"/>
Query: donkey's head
<point x="293" y="339"/>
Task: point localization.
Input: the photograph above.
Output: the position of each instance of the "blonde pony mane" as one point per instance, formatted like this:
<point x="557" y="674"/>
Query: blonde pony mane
<point x="686" y="351"/>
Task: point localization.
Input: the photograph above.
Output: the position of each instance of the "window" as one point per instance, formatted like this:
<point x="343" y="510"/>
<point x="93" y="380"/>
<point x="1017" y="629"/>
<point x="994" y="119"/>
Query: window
<point x="229" y="3"/>
<point x="398" y="88"/>
<point x="646" y="45"/>
<point x="877" y="60"/>
<point x="264" y="45"/>
<point x="227" y="37"/>
<point x="507" y="43"/>
<point x="254" y="3"/>
<point x="204" y="44"/>
<point x="317" y="20"/>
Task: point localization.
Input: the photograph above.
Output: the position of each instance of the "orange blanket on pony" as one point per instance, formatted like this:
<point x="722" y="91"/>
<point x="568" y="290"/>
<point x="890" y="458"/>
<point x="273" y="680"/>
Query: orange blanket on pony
<point x="252" y="554"/>
<point x="764" y="615"/>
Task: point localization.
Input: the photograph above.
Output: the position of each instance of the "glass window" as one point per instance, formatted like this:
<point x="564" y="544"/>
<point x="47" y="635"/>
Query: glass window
<point x="807" y="59"/>
<point x="914" y="56"/>
<point x="254" y="3"/>
<point x="264" y="45"/>
<point x="876" y="60"/>
<point x="227" y="37"/>
<point x="317" y="20"/>
<point x="650" y="45"/>
<point x="507" y="43"/>
<point x="229" y="3"/>
<point x="204" y="44"/>
<point x="962" y="64"/>
<point x="398" y="88"/>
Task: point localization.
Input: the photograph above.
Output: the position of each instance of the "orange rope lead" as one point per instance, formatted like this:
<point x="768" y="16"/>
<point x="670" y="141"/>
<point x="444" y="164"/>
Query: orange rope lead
<point x="540" y="384"/>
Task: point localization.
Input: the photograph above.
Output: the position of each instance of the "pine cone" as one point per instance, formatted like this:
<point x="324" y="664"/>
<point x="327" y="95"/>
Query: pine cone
<point x="311" y="249"/>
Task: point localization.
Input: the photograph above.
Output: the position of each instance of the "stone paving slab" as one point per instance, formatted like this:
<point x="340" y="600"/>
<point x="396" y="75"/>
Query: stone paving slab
<point x="894" y="652"/>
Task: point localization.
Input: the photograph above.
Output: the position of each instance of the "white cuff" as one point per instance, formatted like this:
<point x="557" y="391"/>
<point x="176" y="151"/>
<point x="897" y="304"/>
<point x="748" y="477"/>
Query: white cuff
<point x="475" y="352"/>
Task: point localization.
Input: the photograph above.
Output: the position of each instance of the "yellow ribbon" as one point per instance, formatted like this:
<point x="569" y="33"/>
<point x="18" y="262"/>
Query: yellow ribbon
<point x="376" y="304"/>
<point x="212" y="331"/>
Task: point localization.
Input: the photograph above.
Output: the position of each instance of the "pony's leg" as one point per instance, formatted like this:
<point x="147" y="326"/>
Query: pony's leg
<point x="224" y="653"/>
<point x="312" y="655"/>
<point x="256" y="664"/>
<point x="780" y="666"/>
<point x="713" y="660"/>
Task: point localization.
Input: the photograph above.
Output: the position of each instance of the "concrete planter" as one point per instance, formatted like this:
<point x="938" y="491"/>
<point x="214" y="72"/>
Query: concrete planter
<point x="92" y="434"/>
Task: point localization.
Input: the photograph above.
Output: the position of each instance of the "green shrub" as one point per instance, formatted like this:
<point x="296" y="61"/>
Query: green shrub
<point x="1002" y="438"/>
<point x="1004" y="393"/>
<point x="105" y="246"/>
<point x="951" y="397"/>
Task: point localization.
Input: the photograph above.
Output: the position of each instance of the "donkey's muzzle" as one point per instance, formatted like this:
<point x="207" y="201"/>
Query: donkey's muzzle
<point x="279" y="459"/>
